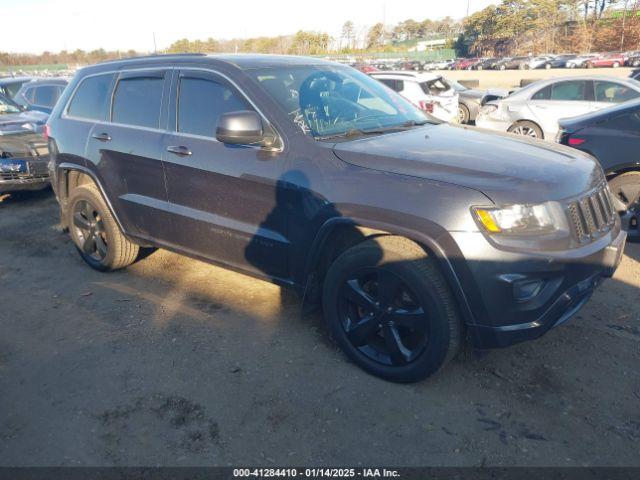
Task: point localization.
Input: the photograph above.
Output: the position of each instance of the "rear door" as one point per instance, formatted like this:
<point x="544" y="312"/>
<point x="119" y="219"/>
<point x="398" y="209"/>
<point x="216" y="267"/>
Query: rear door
<point x="223" y="198"/>
<point x="126" y="151"/>
<point x="563" y="99"/>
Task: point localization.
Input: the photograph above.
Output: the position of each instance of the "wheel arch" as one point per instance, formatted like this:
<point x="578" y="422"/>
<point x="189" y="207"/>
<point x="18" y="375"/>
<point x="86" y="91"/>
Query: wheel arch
<point x="616" y="170"/>
<point x="70" y="176"/>
<point x="340" y="233"/>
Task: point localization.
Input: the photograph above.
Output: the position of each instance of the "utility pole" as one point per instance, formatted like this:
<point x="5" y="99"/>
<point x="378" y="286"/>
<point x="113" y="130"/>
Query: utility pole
<point x="468" y="1"/>
<point x="155" y="50"/>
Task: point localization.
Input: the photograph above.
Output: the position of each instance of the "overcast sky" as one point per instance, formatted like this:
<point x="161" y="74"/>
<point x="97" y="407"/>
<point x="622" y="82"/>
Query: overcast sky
<point x="53" y="25"/>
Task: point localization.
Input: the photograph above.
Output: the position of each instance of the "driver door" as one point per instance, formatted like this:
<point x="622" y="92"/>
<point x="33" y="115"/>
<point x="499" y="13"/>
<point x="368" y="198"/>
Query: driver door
<point x="222" y="198"/>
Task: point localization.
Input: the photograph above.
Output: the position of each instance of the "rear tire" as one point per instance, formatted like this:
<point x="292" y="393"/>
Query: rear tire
<point x="527" y="129"/>
<point x="626" y="188"/>
<point x="390" y="309"/>
<point x="616" y="65"/>
<point x="95" y="233"/>
<point x="463" y="114"/>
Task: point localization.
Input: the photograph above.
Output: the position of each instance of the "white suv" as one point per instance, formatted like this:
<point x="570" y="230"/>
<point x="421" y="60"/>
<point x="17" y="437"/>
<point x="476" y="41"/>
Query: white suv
<point x="428" y="91"/>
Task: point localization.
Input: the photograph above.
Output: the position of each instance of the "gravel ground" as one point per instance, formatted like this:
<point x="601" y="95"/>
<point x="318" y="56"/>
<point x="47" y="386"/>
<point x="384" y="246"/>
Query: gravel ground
<point x="175" y="362"/>
<point x="511" y="78"/>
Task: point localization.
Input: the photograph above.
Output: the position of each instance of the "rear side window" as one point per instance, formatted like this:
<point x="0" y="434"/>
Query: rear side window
<point x="569" y="91"/>
<point x="137" y="101"/>
<point x="611" y="92"/>
<point x="543" y="93"/>
<point x="396" y="85"/>
<point x="45" y="95"/>
<point x="200" y="104"/>
<point x="91" y="99"/>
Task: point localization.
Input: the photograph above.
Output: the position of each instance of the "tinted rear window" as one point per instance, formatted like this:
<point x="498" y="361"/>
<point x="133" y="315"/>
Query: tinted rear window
<point x="46" y="95"/>
<point x="200" y="104"/>
<point x="137" y="101"/>
<point x="91" y="100"/>
<point x="435" y="86"/>
<point x="611" y="92"/>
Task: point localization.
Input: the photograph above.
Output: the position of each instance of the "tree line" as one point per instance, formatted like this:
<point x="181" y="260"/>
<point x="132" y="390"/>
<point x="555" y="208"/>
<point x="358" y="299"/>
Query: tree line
<point x="510" y="27"/>
<point x="520" y="27"/>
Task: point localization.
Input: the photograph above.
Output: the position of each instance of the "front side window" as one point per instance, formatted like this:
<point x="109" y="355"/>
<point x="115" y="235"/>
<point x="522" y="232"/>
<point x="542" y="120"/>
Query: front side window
<point x="200" y="104"/>
<point x="569" y="91"/>
<point x="91" y="99"/>
<point x="611" y="92"/>
<point x="327" y="101"/>
<point x="137" y="101"/>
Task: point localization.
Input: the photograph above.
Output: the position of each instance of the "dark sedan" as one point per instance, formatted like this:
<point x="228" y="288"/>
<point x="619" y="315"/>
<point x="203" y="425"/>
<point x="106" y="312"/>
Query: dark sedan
<point x="41" y="94"/>
<point x="561" y="60"/>
<point x="612" y="136"/>
<point x="23" y="150"/>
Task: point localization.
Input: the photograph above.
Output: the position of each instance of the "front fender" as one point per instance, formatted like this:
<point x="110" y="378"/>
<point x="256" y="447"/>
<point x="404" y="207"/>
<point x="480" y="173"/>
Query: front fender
<point x="430" y="236"/>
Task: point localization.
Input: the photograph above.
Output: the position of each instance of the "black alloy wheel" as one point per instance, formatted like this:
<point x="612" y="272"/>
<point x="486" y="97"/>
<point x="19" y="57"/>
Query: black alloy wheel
<point x="382" y="317"/>
<point x="90" y="231"/>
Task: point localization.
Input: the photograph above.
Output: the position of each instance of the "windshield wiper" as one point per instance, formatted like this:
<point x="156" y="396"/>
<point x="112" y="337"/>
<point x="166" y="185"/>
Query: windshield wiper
<point x="354" y="132"/>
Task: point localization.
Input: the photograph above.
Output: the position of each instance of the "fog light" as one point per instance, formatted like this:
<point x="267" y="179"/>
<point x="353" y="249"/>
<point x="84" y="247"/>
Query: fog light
<point x="525" y="290"/>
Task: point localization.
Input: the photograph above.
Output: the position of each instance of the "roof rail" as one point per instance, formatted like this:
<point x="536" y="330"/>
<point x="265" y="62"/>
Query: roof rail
<point x="158" y="55"/>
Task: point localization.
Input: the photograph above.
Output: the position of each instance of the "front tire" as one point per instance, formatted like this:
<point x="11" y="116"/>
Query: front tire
<point x="390" y="309"/>
<point x="95" y="233"/>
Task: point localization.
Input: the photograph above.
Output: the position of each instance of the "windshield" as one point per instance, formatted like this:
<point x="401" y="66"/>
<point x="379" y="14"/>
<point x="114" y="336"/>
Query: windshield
<point x="329" y="101"/>
<point x="7" y="106"/>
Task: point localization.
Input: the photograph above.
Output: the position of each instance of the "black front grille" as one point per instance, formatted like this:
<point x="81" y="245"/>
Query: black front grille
<point x="592" y="215"/>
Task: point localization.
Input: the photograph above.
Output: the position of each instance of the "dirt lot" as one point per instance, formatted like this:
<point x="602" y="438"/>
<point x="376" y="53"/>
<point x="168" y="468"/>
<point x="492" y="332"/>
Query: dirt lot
<point x="175" y="362"/>
<point x="511" y="78"/>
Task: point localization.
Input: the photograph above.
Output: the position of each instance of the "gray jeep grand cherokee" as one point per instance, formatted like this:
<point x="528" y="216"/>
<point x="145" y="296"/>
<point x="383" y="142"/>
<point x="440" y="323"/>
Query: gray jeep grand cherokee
<point x="413" y="235"/>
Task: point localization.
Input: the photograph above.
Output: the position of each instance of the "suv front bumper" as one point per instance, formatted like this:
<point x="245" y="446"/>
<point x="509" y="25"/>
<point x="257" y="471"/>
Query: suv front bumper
<point x="566" y="282"/>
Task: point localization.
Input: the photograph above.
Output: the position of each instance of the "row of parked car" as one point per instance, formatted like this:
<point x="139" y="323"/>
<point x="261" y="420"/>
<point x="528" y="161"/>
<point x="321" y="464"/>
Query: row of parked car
<point x="565" y="60"/>
<point x="530" y="62"/>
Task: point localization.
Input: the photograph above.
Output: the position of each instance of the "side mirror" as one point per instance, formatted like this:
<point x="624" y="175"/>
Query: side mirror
<point x="240" y="128"/>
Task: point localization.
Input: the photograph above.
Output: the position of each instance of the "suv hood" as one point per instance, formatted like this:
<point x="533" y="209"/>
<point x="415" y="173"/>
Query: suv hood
<point x="506" y="168"/>
<point x="29" y="121"/>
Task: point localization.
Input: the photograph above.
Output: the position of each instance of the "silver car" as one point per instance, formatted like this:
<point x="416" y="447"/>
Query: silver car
<point x="534" y="110"/>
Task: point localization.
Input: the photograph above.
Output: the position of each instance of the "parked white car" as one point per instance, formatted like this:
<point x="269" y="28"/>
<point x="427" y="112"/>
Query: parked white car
<point x="534" y="110"/>
<point x="428" y="91"/>
<point x="540" y="62"/>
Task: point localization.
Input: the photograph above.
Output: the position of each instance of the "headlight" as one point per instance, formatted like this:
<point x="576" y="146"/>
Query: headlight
<point x="518" y="219"/>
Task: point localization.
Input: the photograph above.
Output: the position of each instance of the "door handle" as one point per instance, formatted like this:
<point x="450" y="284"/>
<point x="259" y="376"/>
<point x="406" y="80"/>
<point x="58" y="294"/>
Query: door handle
<point x="103" y="137"/>
<point x="179" y="150"/>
